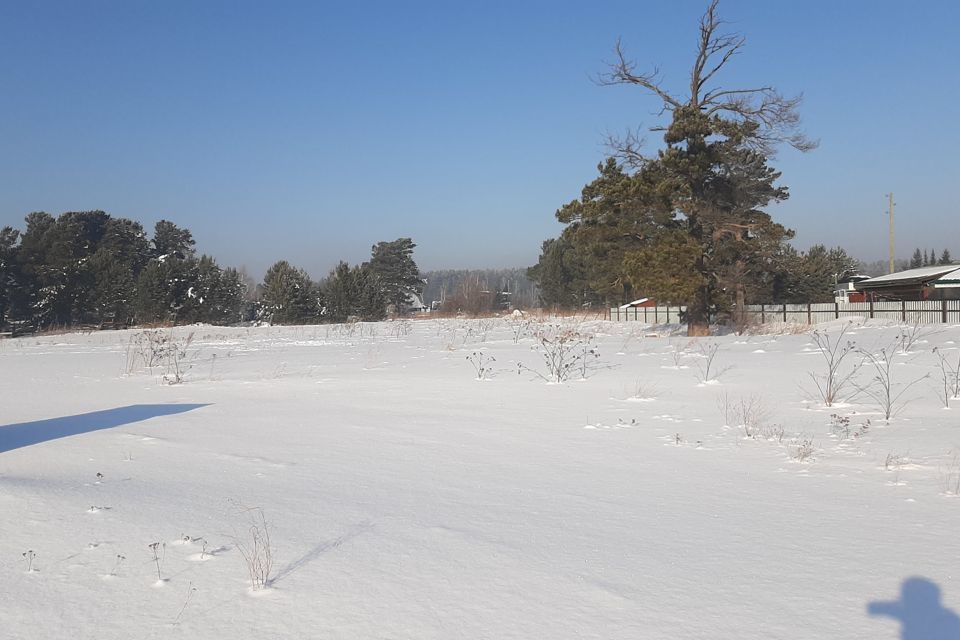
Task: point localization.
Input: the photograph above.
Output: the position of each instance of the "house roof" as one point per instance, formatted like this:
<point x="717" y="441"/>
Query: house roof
<point x="951" y="279"/>
<point x="854" y="277"/>
<point x="634" y="303"/>
<point x="920" y="275"/>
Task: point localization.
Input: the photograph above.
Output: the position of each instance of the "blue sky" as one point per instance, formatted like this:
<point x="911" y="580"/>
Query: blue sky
<point x="308" y="131"/>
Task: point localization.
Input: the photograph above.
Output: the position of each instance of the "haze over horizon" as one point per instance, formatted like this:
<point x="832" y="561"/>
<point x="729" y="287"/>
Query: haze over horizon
<point x="308" y="132"/>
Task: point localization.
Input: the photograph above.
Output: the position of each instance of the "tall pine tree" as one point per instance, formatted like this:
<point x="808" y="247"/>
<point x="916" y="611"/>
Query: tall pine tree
<point x="713" y="169"/>
<point x="392" y="263"/>
<point x="288" y="296"/>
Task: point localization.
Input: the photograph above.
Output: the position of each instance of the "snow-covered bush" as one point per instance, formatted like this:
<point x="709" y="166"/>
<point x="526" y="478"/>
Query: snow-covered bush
<point x="521" y="328"/>
<point x="913" y="334"/>
<point x="774" y="432"/>
<point x="949" y="376"/>
<point x="835" y="350"/>
<point x="156" y="348"/>
<point x="190" y="591"/>
<point x="482" y="364"/>
<point x="803" y="448"/>
<point x="749" y="413"/>
<point x="708" y="370"/>
<point x="678" y="353"/>
<point x="894" y="461"/>
<point x="840" y="426"/>
<point x="645" y="390"/>
<point x="887" y="393"/>
<point x="401" y="328"/>
<point x="565" y="353"/>
<point x="159" y="550"/>
<point x="950" y="475"/>
<point x="256" y="548"/>
<point x="29" y="556"/>
<point x="117" y="564"/>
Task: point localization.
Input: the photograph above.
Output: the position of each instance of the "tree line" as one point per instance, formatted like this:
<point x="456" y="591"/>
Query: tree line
<point x="89" y="268"/>
<point x="389" y="282"/>
<point x="924" y="259"/>
<point x="479" y="291"/>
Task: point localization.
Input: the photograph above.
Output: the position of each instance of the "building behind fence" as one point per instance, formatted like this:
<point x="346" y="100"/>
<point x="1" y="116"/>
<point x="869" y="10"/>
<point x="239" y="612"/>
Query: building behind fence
<point x="912" y="312"/>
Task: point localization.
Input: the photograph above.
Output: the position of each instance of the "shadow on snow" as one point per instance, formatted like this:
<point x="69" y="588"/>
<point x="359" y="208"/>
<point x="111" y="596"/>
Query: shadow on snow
<point x="919" y="612"/>
<point x="24" y="434"/>
<point x="319" y="550"/>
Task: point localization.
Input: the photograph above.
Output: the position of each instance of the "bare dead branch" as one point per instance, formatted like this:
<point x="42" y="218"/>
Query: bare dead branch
<point x="775" y="115"/>
<point x="628" y="148"/>
<point x="711" y="96"/>
<point x="623" y="71"/>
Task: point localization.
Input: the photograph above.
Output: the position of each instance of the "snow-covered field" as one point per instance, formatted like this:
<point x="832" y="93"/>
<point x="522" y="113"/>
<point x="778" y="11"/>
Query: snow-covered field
<point x="406" y="498"/>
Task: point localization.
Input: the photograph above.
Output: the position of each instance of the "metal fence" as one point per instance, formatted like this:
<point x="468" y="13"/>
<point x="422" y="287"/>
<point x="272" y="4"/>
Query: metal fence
<point x="912" y="312"/>
<point x="649" y="315"/>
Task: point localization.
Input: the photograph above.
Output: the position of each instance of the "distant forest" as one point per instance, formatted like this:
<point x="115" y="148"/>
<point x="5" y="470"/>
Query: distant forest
<point x="479" y="290"/>
<point x="90" y="269"/>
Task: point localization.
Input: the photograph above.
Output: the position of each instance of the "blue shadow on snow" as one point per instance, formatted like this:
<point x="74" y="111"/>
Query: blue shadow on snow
<point x="24" y="434"/>
<point x="919" y="612"/>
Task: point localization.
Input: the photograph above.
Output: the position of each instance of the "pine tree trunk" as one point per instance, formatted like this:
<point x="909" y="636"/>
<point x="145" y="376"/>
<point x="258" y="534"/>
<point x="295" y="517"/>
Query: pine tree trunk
<point x="698" y="311"/>
<point x="698" y="314"/>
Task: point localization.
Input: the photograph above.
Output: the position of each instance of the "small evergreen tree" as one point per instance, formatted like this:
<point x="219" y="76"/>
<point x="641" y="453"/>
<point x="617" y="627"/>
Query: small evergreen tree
<point x="393" y="265"/>
<point x="212" y="295"/>
<point x="945" y="257"/>
<point x="164" y="291"/>
<point x="171" y="240"/>
<point x="917" y="259"/>
<point x="8" y="270"/>
<point x="561" y="274"/>
<point x="228" y="298"/>
<point x="288" y="296"/>
<point x="812" y="276"/>
<point x="114" y="291"/>
<point x="370" y="302"/>
<point x="339" y="293"/>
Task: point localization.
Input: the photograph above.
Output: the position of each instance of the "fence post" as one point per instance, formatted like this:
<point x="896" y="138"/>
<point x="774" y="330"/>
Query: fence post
<point x="943" y="311"/>
<point x="784" y="311"/>
<point x="809" y="314"/>
<point x="656" y="315"/>
<point x="871" y="307"/>
<point x="836" y="310"/>
<point x="763" y="315"/>
<point x="903" y="311"/>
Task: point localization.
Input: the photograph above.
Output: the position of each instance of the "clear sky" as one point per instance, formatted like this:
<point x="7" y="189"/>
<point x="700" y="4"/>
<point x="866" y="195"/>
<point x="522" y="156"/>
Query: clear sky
<point x="310" y="130"/>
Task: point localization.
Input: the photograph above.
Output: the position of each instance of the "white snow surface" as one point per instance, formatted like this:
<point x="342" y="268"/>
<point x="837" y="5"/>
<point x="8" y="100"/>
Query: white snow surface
<point x="405" y="498"/>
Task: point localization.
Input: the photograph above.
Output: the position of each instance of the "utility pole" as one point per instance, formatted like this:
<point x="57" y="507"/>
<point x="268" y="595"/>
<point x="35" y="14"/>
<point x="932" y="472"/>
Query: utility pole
<point x="891" y="231"/>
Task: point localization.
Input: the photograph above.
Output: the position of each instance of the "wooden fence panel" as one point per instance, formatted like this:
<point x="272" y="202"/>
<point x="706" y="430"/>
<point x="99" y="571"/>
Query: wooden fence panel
<point x="911" y="312"/>
<point x="647" y="315"/>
